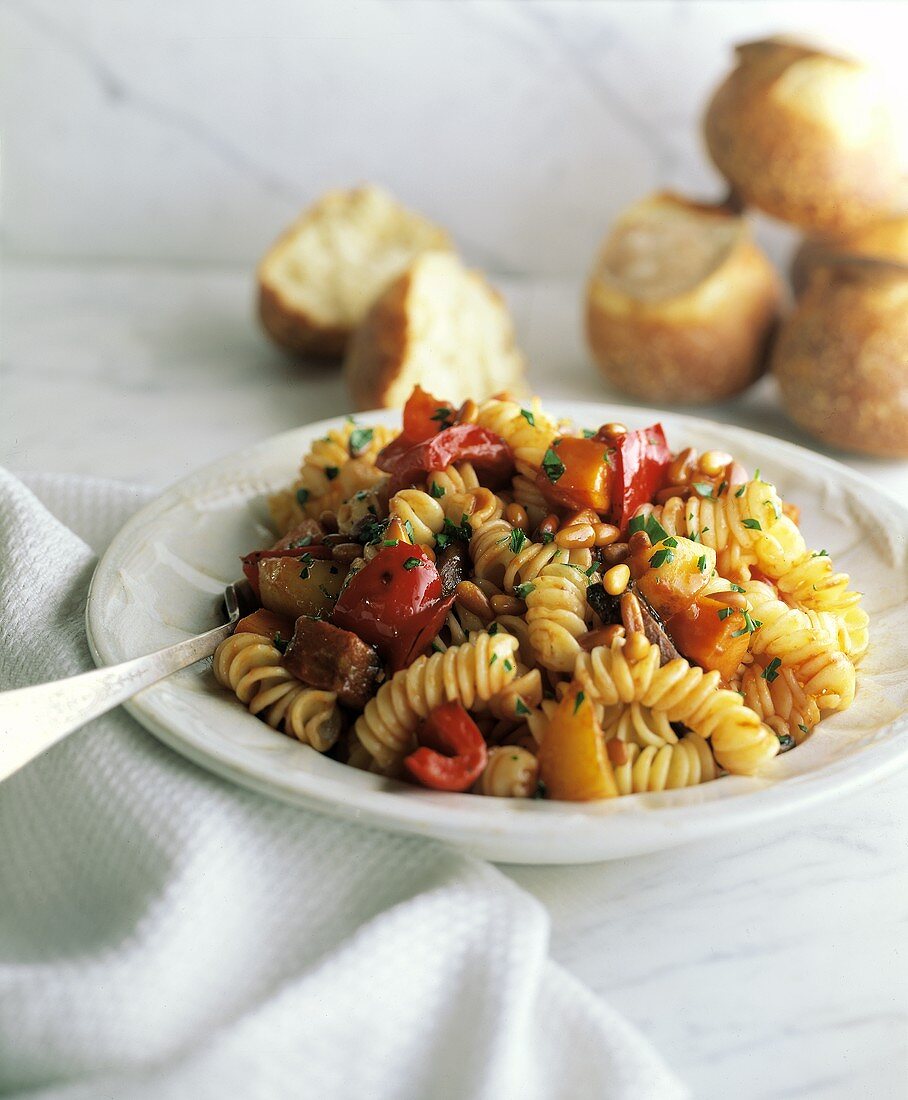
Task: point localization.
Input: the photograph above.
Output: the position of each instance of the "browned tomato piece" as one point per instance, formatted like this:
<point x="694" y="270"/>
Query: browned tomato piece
<point x="299" y="586"/>
<point x="711" y="635"/>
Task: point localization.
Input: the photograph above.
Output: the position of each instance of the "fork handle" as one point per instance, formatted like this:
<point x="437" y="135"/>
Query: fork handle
<point x="34" y="718"/>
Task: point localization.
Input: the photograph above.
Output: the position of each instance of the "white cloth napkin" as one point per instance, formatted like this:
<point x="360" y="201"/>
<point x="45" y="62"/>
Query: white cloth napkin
<point x="164" y="934"/>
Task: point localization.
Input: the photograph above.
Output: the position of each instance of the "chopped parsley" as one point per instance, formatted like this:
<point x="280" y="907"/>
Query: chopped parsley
<point x="452" y="533"/>
<point x="588" y="433"/>
<point x="517" y="539"/>
<point x="671" y="541"/>
<point x="803" y="728"/>
<point x="359" y="441"/>
<point x="331" y="472"/>
<point x="578" y="702"/>
<point x="442" y="416"/>
<point x="493" y="659"/>
<point x="436" y="490"/>
<point x="528" y="417"/>
<point x="724" y="612"/>
<point x="408" y="527"/>
<point x="786" y="741"/>
<point x="722" y="487"/>
<point x="750" y="625"/>
<point x="493" y="630"/>
<point x="701" y="562"/>
<point x="412" y="563"/>
<point x="508" y="665"/>
<point x="753" y="524"/>
<point x="302" y="495"/>
<point x="547" y="537"/>
<point x="820" y="554"/>
<point x="280" y="643"/>
<point x="741" y="491"/>
<point x="553" y="466"/>
<point x="703" y="489"/>
<point x="520" y="707"/>
<point x="661" y="557"/>
<point x="390" y="542"/>
<point x="305" y="561"/>
<point x="771" y="672"/>
<point x="757" y="474"/>
<point x="735" y="587"/>
<point x="306" y="540"/>
<point x="650" y="525"/>
<point x="523" y="590"/>
<point x="541" y="789"/>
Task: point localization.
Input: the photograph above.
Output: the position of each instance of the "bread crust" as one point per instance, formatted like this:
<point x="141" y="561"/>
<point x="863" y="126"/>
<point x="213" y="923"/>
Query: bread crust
<point x="781" y="159"/>
<point x="885" y="240"/>
<point x="700" y="346"/>
<point x="295" y="330"/>
<point x="841" y="357"/>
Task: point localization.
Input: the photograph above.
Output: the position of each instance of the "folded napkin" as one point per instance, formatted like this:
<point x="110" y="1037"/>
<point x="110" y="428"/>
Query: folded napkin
<point x="164" y="934"/>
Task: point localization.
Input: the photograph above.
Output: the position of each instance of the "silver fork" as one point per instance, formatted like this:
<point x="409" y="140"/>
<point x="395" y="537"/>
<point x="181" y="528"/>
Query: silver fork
<point x="32" y="719"/>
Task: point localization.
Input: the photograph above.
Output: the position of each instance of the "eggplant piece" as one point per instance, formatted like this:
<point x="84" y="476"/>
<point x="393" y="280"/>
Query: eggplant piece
<point x="608" y="608"/>
<point x="331" y="659"/>
<point x="452" y="563"/>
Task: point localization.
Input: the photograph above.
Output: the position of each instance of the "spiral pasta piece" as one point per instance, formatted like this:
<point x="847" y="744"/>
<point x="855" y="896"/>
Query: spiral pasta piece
<point x="637" y="724"/>
<point x="511" y="772"/>
<point x="528" y="431"/>
<point x="779" y="699"/>
<point x="422" y="512"/>
<point x="665" y="768"/>
<point x="335" y="467"/>
<point x="819" y="666"/>
<point x="744" y="530"/>
<point x="508" y="561"/>
<point x="249" y="665"/>
<point x="527" y="493"/>
<point x="812" y="585"/>
<point x="740" y="741"/>
<point x="475" y="670"/>
<point x="556" y="615"/>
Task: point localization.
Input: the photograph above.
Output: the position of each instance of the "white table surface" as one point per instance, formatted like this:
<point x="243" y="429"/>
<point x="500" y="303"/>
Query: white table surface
<point x="762" y="966"/>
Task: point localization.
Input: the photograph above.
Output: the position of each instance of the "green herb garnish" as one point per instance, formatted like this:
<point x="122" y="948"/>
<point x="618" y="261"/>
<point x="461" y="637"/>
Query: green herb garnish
<point x="411" y="563"/>
<point x="553" y="466"/>
<point x="578" y="701"/>
<point x="528" y="417"/>
<point x="701" y="562"/>
<point x="436" y="490"/>
<point x="359" y="441"/>
<point x="523" y="590"/>
<point x="703" y="489"/>
<point x="753" y="524"/>
<point x="520" y="707"/>
<point x="302" y="495"/>
<point x="661" y="557"/>
<point x="517" y="539"/>
<point x="771" y="672"/>
<point x="331" y="472"/>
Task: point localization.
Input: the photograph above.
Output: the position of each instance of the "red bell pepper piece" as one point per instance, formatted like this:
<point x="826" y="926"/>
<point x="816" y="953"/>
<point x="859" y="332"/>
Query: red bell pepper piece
<point x="641" y="465"/>
<point x="251" y="561"/>
<point x="425" y="415"/>
<point x="452" y="752"/>
<point x="394" y="603"/>
<point x="488" y="452"/>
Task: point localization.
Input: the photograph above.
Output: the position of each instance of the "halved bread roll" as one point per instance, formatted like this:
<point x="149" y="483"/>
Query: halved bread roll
<point x="805" y="135"/>
<point x="681" y="302"/>
<point x="318" y="280"/>
<point x="438" y="325"/>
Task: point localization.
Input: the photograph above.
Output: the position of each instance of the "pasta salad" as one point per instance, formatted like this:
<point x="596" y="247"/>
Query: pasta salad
<point x="490" y="600"/>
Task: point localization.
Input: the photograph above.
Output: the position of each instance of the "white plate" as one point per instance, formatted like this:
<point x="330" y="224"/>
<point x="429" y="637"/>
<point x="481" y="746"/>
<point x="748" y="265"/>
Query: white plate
<point x="162" y="577"/>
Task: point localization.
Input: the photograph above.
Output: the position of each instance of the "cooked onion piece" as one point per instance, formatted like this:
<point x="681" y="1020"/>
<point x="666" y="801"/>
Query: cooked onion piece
<point x="842" y="357"/>
<point x="804" y="135"/>
<point x="681" y="302"/>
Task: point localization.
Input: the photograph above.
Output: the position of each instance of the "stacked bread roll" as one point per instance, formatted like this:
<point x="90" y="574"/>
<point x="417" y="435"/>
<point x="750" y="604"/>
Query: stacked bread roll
<point x="807" y="137"/>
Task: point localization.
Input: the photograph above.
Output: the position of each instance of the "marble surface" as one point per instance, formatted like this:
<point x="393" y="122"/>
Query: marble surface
<point x="195" y="131"/>
<point x="763" y="966"/>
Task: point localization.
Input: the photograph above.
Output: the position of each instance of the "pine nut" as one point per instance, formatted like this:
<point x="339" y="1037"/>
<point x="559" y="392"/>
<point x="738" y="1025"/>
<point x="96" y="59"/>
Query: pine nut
<point x="516" y="515"/>
<point x="636" y="647"/>
<point x="473" y="599"/>
<point x="682" y="465"/>
<point x="328" y="520"/>
<point x="615" y="554"/>
<point x="549" y="525"/>
<point x="580" y="536"/>
<point x="735" y="474"/>
<point x="603" y="636"/>
<point x="666" y="494"/>
<point x="737" y="600"/>
<point x="712" y="463"/>
<point x="606" y="533"/>
<point x="507" y="605"/>
<point x="467" y="412"/>
<point x="616" y="580"/>
<point x="612" y="430"/>
<point x="617" y="750"/>
<point x="639" y="543"/>
<point x="334" y="539"/>
<point x="487" y="587"/>
<point x="631" y="614"/>
<point x="346" y="552"/>
<point x="582" y="515"/>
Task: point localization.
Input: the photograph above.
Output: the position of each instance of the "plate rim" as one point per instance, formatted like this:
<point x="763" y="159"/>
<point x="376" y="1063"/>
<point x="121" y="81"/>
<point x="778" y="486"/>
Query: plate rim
<point x="746" y="807"/>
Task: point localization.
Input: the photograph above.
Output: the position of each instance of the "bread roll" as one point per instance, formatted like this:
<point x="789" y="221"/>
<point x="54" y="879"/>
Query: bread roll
<point x="681" y="302"/>
<point x="885" y="240"/>
<point x="805" y="136"/>
<point x="438" y="325"/>
<point x="842" y="357"/>
<point x="319" y="278"/>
